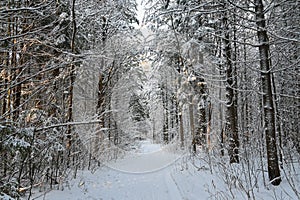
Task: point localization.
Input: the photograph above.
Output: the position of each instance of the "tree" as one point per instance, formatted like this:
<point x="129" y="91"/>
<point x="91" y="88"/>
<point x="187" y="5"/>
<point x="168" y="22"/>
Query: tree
<point x="138" y="110"/>
<point x="231" y="127"/>
<point x="267" y="93"/>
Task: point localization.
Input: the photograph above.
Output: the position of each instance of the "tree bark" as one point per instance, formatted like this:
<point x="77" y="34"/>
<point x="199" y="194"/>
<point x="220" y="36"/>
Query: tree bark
<point x="231" y="126"/>
<point x="192" y="124"/>
<point x="72" y="77"/>
<point x="268" y="105"/>
<point x="201" y="133"/>
<point x="181" y="129"/>
<point x="166" y="115"/>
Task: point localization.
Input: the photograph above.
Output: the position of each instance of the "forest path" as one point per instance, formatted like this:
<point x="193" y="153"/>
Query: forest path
<point x="151" y="173"/>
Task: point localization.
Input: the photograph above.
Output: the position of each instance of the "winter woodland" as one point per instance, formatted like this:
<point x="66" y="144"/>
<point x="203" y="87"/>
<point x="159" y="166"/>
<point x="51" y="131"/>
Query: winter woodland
<point x="149" y="99"/>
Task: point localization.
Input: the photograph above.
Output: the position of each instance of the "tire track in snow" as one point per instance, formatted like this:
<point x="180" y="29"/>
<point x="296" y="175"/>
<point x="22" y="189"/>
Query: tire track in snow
<point x="172" y="186"/>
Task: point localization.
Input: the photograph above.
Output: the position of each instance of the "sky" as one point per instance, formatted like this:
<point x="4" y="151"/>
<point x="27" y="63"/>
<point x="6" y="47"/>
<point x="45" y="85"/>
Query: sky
<point x="140" y="11"/>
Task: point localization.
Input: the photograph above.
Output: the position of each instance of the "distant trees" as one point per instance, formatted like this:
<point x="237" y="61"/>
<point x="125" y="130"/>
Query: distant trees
<point x="138" y="108"/>
<point x="184" y="54"/>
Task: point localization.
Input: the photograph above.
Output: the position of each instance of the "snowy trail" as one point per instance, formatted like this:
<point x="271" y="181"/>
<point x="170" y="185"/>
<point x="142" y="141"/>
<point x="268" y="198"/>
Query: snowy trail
<point x="152" y="173"/>
<point x="147" y="175"/>
<point x="149" y="158"/>
<point x="172" y="186"/>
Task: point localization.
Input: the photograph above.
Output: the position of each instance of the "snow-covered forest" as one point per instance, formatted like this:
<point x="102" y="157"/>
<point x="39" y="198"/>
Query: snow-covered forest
<point x="149" y="99"/>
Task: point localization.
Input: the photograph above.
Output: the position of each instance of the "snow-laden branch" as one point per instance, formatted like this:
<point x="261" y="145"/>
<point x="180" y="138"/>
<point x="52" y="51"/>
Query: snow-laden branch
<point x="68" y="124"/>
<point x="75" y="123"/>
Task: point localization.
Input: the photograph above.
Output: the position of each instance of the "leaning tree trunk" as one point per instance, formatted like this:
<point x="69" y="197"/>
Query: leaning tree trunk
<point x="269" y="112"/>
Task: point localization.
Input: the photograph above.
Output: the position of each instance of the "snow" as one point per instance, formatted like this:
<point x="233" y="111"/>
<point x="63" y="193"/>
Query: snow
<point x="16" y="142"/>
<point x="148" y="147"/>
<point x="153" y="171"/>
<point x="5" y="197"/>
<point x="148" y="158"/>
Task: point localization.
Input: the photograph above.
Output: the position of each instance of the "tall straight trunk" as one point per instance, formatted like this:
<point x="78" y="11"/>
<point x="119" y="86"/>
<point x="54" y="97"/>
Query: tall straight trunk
<point x="3" y="105"/>
<point x="176" y="104"/>
<point x="192" y="124"/>
<point x="100" y="102"/>
<point x="7" y="73"/>
<point x="247" y="110"/>
<point x="201" y="131"/>
<point x="166" y="115"/>
<point x="99" y="110"/>
<point x="277" y="122"/>
<point x="234" y="88"/>
<point x="231" y="126"/>
<point x="221" y="135"/>
<point x="202" y="123"/>
<point x="116" y="135"/>
<point x="72" y="77"/>
<point x="4" y="73"/>
<point x="18" y="88"/>
<point x="153" y="130"/>
<point x="17" y="96"/>
<point x="268" y="105"/>
<point x="13" y="69"/>
<point x="181" y="128"/>
<point x="16" y="91"/>
<point x="172" y="110"/>
<point x="208" y="136"/>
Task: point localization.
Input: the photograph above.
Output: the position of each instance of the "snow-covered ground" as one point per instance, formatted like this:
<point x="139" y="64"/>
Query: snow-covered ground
<point x="150" y="173"/>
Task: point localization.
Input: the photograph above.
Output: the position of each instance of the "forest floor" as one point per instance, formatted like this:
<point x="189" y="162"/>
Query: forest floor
<point x="153" y="173"/>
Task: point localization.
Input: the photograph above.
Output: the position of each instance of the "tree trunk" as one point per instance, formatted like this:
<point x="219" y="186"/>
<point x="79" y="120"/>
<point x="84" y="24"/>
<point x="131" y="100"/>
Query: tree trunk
<point x="100" y="116"/>
<point x="221" y="136"/>
<point x="4" y="74"/>
<point x="277" y="122"/>
<point x="181" y="128"/>
<point x="192" y="124"/>
<point x="268" y="105"/>
<point x="208" y="136"/>
<point x="231" y="126"/>
<point x="166" y="115"/>
<point x="72" y="78"/>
